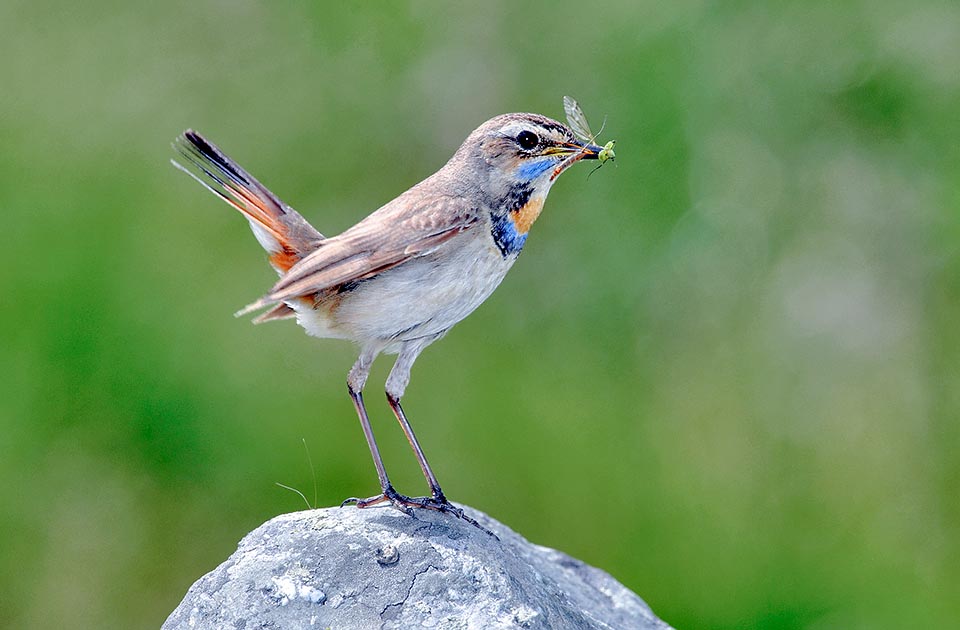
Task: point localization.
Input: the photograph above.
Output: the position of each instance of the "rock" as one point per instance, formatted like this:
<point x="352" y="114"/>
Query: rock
<point x="346" y="568"/>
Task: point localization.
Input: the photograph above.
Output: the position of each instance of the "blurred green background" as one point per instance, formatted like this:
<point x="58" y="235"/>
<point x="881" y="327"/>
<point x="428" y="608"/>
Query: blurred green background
<point x="727" y="371"/>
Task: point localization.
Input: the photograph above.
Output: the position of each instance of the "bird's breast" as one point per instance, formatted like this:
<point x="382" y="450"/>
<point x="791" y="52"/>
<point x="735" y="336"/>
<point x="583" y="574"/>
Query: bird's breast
<point x="524" y="216"/>
<point x="509" y="229"/>
<point x="422" y="297"/>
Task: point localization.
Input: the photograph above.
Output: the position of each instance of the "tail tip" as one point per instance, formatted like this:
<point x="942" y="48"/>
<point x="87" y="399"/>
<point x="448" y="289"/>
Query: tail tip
<point x="254" y="307"/>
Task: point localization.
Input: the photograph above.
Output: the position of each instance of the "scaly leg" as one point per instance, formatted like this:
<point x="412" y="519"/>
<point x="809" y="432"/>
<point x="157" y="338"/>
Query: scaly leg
<point x="385" y="486"/>
<point x="417" y="450"/>
<point x="437" y="501"/>
<point x="396" y="384"/>
<point x="355" y="382"/>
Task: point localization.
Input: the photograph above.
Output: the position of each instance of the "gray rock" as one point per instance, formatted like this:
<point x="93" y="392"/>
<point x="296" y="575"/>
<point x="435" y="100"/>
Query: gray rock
<point x="345" y="568"/>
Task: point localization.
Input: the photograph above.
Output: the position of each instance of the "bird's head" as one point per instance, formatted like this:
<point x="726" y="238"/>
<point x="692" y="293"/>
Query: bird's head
<point x="514" y="159"/>
<point x="527" y="149"/>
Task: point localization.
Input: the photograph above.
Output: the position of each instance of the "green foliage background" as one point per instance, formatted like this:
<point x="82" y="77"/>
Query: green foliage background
<point x="727" y="371"/>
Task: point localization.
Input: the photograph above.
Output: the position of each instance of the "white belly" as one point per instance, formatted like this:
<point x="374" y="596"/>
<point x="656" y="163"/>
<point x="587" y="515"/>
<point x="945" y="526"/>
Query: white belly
<point x="420" y="298"/>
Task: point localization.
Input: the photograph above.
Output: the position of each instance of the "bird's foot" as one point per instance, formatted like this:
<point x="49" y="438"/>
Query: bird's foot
<point x="438" y="502"/>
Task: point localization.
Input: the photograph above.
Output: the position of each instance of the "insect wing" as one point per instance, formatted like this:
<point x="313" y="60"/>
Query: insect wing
<point x="576" y="119"/>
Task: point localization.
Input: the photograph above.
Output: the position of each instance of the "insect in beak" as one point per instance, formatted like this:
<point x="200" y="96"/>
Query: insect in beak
<point x="586" y="151"/>
<point x="606" y="152"/>
<point x="589" y="150"/>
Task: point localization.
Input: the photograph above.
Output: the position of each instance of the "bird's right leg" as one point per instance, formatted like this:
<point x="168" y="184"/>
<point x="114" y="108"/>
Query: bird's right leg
<point x="355" y="382"/>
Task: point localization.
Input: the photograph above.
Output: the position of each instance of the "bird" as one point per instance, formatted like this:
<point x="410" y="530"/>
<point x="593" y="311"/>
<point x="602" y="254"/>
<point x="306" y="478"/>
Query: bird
<point x="401" y="278"/>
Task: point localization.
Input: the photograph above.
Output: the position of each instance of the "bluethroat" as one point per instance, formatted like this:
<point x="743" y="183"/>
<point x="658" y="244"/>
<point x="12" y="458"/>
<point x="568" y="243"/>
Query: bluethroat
<point x="402" y="277"/>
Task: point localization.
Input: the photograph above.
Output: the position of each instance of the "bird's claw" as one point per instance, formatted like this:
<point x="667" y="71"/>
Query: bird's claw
<point x="437" y="502"/>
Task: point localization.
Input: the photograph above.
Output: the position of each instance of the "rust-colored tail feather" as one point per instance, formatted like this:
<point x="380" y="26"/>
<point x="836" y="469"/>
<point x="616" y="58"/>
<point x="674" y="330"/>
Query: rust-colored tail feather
<point x="281" y="231"/>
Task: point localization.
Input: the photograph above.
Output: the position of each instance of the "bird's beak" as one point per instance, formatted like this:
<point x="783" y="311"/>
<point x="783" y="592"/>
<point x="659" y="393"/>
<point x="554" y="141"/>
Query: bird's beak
<point x="586" y="151"/>
<point x="573" y="152"/>
<point x="591" y="151"/>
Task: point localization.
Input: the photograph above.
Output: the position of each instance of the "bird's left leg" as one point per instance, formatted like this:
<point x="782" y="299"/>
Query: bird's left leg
<point x="396" y="385"/>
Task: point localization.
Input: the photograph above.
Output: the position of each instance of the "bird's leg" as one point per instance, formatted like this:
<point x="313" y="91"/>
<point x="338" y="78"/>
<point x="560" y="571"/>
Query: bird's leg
<point x="385" y="486"/>
<point x="355" y="382"/>
<point x="396" y="384"/>
<point x="437" y="501"/>
<point x="431" y="478"/>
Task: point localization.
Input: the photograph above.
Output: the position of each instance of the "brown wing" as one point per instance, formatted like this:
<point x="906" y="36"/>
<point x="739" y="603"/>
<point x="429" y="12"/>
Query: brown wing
<point x="407" y="227"/>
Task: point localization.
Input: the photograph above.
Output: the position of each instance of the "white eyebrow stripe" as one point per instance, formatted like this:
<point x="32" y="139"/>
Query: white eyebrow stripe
<point x="513" y="128"/>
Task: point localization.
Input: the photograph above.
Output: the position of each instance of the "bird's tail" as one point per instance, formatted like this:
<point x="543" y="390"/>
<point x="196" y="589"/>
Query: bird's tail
<point x="280" y="229"/>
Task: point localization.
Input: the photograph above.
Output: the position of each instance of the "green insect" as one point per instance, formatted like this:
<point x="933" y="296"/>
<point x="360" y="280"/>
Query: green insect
<point x="606" y="153"/>
<point x="578" y="123"/>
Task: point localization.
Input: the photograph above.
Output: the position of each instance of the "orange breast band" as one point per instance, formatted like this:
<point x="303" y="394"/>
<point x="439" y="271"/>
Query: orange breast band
<point x="524" y="217"/>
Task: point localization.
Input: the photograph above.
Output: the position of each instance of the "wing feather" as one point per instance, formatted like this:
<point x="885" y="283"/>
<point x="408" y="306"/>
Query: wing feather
<point x="407" y="227"/>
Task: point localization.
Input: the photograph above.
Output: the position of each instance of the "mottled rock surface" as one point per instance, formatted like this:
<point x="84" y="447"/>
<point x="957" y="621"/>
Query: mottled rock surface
<point x="344" y="568"/>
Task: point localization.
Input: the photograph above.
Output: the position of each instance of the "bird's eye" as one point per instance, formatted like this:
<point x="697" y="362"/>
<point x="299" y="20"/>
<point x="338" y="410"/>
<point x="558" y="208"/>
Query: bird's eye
<point x="527" y="140"/>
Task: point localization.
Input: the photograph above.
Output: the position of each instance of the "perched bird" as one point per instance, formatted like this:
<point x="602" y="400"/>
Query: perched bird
<point x="402" y="277"/>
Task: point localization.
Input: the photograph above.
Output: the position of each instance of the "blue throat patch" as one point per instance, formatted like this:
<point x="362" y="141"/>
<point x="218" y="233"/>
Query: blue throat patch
<point x="505" y="234"/>
<point x="532" y="170"/>
<point x="509" y="241"/>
